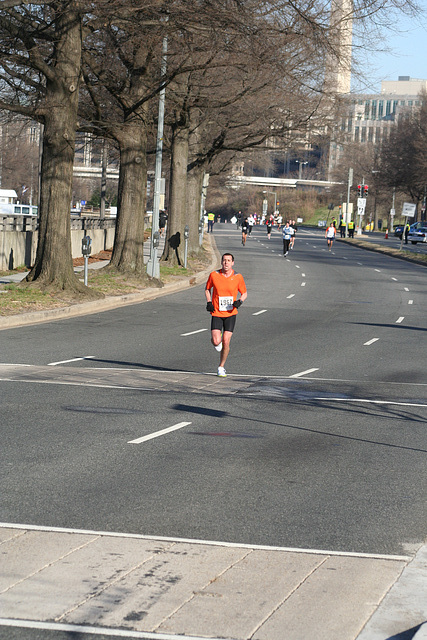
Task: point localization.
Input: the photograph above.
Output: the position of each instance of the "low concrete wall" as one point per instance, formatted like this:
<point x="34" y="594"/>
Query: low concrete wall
<point x="18" y="248"/>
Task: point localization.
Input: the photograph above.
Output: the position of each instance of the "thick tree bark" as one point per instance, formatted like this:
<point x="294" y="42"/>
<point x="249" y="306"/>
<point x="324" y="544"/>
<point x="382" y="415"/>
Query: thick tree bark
<point x="129" y="239"/>
<point x="174" y="245"/>
<point x="194" y="201"/>
<point x="53" y="264"/>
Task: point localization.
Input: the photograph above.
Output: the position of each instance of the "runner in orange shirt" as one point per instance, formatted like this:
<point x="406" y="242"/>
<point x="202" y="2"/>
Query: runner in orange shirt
<point x="221" y="293"/>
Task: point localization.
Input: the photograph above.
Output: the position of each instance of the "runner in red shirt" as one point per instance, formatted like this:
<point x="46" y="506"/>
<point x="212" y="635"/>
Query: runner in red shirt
<point x="221" y="292"/>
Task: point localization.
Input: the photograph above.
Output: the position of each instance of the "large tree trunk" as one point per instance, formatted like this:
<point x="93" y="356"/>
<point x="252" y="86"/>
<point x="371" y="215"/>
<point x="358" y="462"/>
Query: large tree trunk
<point x="174" y="245"/>
<point x="53" y="266"/>
<point x="194" y="202"/>
<point x="128" y="246"/>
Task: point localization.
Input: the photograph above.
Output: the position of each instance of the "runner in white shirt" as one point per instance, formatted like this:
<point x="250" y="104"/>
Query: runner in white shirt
<point x="330" y="234"/>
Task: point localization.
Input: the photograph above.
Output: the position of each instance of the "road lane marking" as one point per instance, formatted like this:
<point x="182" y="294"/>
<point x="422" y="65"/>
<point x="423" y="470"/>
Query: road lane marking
<point x="216" y="543"/>
<point x="191" y="333"/>
<point x="157" y="434"/>
<point x="303" y="284"/>
<point x="303" y="275"/>
<point x="399" y="320"/>
<point x="410" y="302"/>
<point x="291" y="296"/>
<point x="395" y="279"/>
<point x="371" y="341"/>
<point x="303" y="373"/>
<point x="258" y="313"/>
<point x="377" y="270"/>
<point x="80" y="629"/>
<point x="400" y="404"/>
<point x="53" y="364"/>
<point x="297" y="266"/>
<point x="405" y="289"/>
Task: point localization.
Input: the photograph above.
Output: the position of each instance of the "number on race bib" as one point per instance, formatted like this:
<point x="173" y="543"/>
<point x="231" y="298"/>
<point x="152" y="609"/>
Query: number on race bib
<point x="225" y="303"/>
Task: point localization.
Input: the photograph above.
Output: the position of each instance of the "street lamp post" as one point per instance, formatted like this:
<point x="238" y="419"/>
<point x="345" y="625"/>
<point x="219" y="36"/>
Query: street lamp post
<point x="300" y="166"/>
<point x="153" y="266"/>
<point x="275" y="199"/>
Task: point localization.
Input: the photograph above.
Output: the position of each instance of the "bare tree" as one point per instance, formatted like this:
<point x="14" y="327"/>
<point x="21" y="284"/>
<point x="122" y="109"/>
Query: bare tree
<point x="40" y="76"/>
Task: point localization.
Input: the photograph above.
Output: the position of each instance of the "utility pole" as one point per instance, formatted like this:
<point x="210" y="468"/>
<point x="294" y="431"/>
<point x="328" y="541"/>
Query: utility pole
<point x="153" y="267"/>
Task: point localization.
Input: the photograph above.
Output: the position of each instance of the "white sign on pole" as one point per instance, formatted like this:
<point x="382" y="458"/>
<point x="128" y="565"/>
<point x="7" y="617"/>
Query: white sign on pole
<point x="409" y="209"/>
<point x="361" y="206"/>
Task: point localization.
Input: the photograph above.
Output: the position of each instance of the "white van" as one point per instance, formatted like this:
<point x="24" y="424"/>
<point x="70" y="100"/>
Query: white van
<point x="8" y="209"/>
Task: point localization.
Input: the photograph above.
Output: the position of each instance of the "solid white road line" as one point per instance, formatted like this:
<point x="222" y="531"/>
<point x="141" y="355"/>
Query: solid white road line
<point x="157" y="434"/>
<point x="258" y="313"/>
<point x="191" y="333"/>
<point x="83" y="629"/>
<point x="400" y="404"/>
<point x="303" y="373"/>
<point x="399" y="320"/>
<point x="52" y="364"/>
<point x="215" y="543"/>
<point x="371" y="341"/>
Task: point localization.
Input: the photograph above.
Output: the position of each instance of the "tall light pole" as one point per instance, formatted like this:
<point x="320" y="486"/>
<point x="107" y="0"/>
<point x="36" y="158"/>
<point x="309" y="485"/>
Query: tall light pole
<point x="300" y="165"/>
<point x="153" y="267"/>
<point x="275" y="199"/>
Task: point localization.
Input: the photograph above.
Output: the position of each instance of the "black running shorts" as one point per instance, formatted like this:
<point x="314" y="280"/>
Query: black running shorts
<point x="223" y="324"/>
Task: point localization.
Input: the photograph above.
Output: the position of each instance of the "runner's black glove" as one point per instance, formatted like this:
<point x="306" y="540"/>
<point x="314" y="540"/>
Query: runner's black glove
<point x="237" y="303"/>
<point x="210" y="307"/>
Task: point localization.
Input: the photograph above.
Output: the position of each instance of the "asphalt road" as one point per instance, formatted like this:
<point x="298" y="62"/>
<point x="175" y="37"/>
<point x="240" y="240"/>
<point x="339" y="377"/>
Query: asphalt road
<point x="315" y="440"/>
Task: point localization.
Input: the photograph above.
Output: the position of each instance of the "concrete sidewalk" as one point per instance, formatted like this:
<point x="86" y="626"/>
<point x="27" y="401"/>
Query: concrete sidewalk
<point x="142" y="587"/>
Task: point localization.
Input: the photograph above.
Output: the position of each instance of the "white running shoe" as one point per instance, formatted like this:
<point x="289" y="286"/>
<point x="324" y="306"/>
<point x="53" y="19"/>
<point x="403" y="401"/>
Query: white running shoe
<point x="221" y="372"/>
<point x="218" y="347"/>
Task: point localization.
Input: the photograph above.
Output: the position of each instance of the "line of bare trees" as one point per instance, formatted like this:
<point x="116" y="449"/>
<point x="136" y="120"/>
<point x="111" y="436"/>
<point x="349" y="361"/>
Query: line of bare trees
<point x="238" y="73"/>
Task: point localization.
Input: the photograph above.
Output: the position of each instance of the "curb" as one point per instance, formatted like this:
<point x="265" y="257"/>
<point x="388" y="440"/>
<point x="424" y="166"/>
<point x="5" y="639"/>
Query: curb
<point x="112" y="302"/>
<point x="388" y="251"/>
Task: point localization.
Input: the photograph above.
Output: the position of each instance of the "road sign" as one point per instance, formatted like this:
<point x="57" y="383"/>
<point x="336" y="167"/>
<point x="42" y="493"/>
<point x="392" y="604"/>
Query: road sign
<point x="409" y="209"/>
<point x="361" y="206"/>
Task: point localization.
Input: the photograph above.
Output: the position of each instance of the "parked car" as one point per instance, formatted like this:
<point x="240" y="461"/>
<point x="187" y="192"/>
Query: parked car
<point x="399" y="229"/>
<point x="417" y="235"/>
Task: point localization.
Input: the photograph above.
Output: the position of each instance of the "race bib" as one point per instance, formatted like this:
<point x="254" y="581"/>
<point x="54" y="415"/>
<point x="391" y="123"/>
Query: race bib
<point x="226" y="303"/>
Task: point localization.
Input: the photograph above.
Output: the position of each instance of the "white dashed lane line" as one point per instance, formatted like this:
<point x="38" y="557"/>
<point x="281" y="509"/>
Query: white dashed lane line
<point x="303" y="373"/>
<point x="258" y="313"/>
<point x="191" y="333"/>
<point x="157" y="434"/>
<point x="371" y="341"/>
<point x="53" y="364"/>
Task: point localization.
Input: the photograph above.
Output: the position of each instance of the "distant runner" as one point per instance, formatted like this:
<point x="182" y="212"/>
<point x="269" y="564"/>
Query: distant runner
<point x="330" y="235"/>
<point x="221" y="293"/>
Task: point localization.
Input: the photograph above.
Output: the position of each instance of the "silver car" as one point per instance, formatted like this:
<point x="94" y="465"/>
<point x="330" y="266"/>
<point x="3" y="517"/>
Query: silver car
<point x="418" y="235"/>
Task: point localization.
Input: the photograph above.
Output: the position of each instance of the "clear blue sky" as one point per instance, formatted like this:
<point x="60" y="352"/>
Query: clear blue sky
<point x="407" y="55"/>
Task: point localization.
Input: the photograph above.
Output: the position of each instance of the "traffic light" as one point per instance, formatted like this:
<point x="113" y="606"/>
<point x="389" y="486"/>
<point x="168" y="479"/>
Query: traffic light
<point x="366" y="190"/>
<point x="359" y="190"/>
